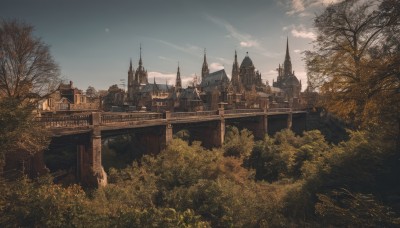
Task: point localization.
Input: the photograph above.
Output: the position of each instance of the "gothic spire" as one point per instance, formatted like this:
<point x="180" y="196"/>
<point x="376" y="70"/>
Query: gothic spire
<point x="140" y="55"/>
<point x="287" y="57"/>
<point x="204" y="70"/>
<point x="287" y="65"/>
<point x="130" y="65"/>
<point x="178" y="82"/>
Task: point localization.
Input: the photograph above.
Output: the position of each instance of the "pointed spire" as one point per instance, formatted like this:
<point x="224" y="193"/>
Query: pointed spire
<point x="204" y="70"/>
<point x="130" y="65"/>
<point x="287" y="65"/>
<point x="154" y="80"/>
<point x="140" y="55"/>
<point x="178" y="82"/>
<point x="235" y="58"/>
<point x="287" y="49"/>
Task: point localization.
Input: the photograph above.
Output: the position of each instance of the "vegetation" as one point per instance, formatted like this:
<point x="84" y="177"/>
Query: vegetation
<point x="355" y="62"/>
<point x="285" y="180"/>
<point x="28" y="73"/>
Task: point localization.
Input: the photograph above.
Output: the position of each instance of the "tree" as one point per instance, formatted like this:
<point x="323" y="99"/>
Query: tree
<point x="355" y="60"/>
<point x="27" y="70"/>
<point x="91" y="92"/>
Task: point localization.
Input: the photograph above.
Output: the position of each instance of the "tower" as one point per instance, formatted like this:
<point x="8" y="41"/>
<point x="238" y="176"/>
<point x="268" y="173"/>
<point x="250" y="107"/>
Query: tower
<point x="235" y="74"/>
<point x="287" y="65"/>
<point x="141" y="73"/>
<point x="178" y="82"/>
<point x="130" y="80"/>
<point x="204" y="70"/>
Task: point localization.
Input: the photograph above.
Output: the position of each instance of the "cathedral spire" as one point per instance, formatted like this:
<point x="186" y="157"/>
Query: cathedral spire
<point x="130" y="65"/>
<point x="140" y="55"/>
<point x="287" y="65"/>
<point x="287" y="57"/>
<point x="178" y="82"/>
<point x="204" y="70"/>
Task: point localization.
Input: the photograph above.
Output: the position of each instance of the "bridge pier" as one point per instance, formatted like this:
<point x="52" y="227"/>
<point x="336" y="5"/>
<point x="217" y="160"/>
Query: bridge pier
<point x="290" y="120"/>
<point x="92" y="173"/>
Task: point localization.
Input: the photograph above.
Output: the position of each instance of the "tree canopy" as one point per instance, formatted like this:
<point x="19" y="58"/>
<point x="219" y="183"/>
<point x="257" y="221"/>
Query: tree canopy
<point x="27" y="69"/>
<point x="355" y="60"/>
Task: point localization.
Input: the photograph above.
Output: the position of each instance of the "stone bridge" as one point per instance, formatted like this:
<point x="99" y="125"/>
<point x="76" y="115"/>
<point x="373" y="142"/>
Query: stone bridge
<point x="157" y="129"/>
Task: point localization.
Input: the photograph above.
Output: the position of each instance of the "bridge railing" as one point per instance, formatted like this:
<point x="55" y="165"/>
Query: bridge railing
<point x="279" y="110"/>
<point x="118" y="118"/>
<point x="65" y="121"/>
<point x="241" y="111"/>
<point x="193" y="114"/>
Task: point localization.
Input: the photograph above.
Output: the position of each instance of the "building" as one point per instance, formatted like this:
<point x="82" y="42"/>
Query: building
<point x="68" y="98"/>
<point x="287" y="80"/>
<point x="143" y="95"/>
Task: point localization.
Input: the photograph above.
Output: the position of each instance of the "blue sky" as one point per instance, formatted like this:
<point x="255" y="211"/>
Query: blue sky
<point x="93" y="41"/>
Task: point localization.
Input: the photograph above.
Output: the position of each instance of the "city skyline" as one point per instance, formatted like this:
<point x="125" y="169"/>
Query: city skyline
<point x="93" y="41"/>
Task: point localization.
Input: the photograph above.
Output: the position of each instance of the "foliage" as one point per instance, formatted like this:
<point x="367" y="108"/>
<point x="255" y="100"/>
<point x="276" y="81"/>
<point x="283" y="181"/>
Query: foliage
<point x="27" y="70"/>
<point x="344" y="208"/>
<point x="91" y="92"/>
<point x="18" y="131"/>
<point x="238" y="144"/>
<point x="355" y="61"/>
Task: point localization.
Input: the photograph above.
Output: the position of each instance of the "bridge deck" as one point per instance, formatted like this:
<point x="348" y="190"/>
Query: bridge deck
<point x="83" y="123"/>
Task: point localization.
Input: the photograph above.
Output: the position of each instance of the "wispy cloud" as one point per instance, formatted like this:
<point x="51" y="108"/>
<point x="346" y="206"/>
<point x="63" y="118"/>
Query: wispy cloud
<point x="304" y="8"/>
<point x="296" y="6"/>
<point x="188" y="48"/>
<point x="245" y="40"/>
<point x="296" y="51"/>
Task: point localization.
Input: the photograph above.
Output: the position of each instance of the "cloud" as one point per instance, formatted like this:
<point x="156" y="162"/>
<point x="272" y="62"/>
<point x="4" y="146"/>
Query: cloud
<point x="188" y="48"/>
<point x="169" y="78"/>
<point x="303" y="8"/>
<point x="162" y="78"/>
<point x="296" y="51"/>
<point x="296" y="6"/>
<point x="245" y="40"/>
<point x="216" y="66"/>
<point x="302" y="32"/>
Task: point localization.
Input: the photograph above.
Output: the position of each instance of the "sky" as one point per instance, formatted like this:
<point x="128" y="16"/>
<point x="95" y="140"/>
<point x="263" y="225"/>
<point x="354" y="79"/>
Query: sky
<point x="94" y="40"/>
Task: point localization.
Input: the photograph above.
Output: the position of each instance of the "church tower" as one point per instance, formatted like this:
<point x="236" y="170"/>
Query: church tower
<point x="204" y="70"/>
<point x="141" y="73"/>
<point x="178" y="82"/>
<point x="235" y="74"/>
<point x="130" y="81"/>
<point x="287" y="65"/>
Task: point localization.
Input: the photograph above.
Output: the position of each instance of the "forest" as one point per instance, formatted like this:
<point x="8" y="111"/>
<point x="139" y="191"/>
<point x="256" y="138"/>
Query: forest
<point x="322" y="178"/>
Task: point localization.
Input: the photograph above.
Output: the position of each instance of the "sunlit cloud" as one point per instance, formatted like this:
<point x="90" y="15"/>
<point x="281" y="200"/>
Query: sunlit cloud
<point x="302" y="32"/>
<point x="162" y="78"/>
<point x="296" y="51"/>
<point x="216" y="66"/>
<point x="304" y="8"/>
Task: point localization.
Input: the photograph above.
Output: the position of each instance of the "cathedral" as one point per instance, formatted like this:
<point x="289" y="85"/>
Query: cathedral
<point x="145" y="95"/>
<point x="286" y="80"/>
<point x="245" y="89"/>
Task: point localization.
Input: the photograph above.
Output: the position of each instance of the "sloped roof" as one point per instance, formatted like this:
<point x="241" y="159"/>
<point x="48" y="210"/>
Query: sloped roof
<point x="214" y="79"/>
<point x="190" y="93"/>
<point x="292" y="80"/>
